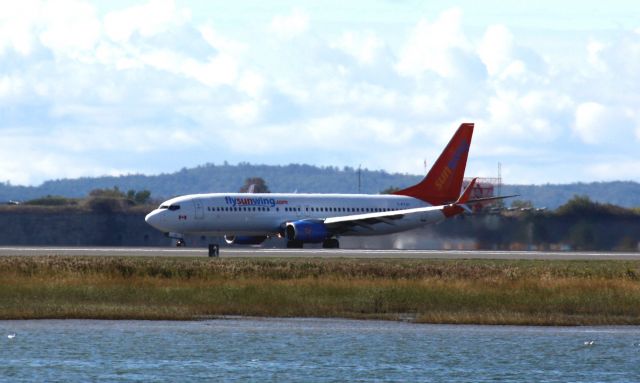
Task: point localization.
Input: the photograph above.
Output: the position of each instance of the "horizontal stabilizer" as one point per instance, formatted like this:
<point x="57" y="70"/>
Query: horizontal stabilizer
<point x="489" y="199"/>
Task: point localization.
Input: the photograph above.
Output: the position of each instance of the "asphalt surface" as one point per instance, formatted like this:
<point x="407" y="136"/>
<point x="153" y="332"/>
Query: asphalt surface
<point x="317" y="253"/>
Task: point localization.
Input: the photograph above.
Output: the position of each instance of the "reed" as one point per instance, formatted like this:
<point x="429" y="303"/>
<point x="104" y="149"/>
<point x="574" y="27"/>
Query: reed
<point x="426" y="291"/>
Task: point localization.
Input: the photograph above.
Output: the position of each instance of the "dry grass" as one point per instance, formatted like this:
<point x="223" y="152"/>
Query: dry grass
<point x="484" y="292"/>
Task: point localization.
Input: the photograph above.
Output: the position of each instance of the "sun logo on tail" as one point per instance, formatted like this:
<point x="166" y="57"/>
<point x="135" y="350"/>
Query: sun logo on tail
<point x="442" y="179"/>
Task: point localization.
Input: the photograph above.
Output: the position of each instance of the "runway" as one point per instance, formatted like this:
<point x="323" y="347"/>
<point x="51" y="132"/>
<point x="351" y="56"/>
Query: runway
<point x="313" y="253"/>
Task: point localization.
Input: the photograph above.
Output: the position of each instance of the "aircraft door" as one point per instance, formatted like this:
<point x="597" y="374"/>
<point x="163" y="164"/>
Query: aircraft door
<point x="199" y="209"/>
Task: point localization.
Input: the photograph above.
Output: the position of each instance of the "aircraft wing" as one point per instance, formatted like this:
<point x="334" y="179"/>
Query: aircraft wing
<point x="345" y="223"/>
<point x="368" y="220"/>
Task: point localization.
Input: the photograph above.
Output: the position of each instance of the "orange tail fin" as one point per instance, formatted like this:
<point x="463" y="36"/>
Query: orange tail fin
<point x="443" y="183"/>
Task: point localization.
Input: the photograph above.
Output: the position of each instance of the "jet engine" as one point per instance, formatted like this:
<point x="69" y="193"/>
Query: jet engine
<point x="244" y="240"/>
<point x="307" y="231"/>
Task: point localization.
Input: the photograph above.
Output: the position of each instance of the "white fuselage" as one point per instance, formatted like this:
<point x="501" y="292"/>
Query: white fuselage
<point x="267" y="214"/>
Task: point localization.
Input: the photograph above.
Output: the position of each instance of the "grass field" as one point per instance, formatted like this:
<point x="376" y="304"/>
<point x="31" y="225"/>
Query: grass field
<point x="429" y="291"/>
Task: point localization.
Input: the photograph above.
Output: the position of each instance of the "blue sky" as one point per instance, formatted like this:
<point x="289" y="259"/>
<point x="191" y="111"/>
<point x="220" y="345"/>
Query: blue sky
<point x="118" y="87"/>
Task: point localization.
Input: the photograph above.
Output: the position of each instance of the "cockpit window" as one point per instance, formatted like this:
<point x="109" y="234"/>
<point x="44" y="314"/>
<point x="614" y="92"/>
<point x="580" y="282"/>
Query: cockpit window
<point x="170" y="207"/>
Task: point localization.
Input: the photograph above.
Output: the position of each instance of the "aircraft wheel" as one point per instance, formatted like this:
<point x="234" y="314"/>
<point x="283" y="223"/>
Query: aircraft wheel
<point x="181" y="243"/>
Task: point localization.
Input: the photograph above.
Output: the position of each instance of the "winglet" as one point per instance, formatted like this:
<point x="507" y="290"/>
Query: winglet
<point x="466" y="195"/>
<point x="460" y="205"/>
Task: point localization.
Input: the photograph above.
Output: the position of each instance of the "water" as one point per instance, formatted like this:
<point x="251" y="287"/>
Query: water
<point x="312" y="350"/>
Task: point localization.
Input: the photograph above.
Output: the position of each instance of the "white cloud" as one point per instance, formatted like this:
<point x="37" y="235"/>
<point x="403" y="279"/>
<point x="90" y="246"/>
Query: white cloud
<point x="599" y="124"/>
<point x="70" y="27"/>
<point x="17" y="22"/>
<point x="439" y="47"/>
<point x="532" y="115"/>
<point x="222" y="69"/>
<point x="252" y="83"/>
<point x="244" y="113"/>
<point x="222" y="43"/>
<point x="291" y="25"/>
<point x="10" y="87"/>
<point x="113" y="90"/>
<point x="614" y="170"/>
<point x="591" y="121"/>
<point x="496" y="49"/>
<point x="594" y="52"/>
<point x="364" y="47"/>
<point x="147" y="20"/>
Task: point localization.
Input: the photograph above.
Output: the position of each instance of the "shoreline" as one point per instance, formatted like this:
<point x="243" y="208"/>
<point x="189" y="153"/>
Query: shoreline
<point x="321" y="319"/>
<point x="473" y="292"/>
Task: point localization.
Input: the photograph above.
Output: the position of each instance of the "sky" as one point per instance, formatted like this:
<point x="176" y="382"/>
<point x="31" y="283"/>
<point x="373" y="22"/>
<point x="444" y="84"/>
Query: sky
<point x="123" y="87"/>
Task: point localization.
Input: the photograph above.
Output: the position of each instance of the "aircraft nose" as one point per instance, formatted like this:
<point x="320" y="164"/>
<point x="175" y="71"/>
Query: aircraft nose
<point x="154" y="219"/>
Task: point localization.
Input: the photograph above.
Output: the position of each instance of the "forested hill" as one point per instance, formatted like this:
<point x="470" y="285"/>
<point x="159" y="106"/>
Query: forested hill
<point x="304" y="179"/>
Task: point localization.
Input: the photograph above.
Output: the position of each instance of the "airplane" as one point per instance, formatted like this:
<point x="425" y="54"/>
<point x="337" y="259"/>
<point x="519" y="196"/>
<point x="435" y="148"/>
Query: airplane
<point x="249" y="219"/>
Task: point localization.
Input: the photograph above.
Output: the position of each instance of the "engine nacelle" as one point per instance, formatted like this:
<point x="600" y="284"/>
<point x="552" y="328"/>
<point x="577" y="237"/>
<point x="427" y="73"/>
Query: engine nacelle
<point x="307" y="231"/>
<point x="244" y="240"/>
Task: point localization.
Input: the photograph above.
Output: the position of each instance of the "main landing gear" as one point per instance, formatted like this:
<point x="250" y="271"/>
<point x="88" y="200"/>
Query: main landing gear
<point x="181" y="243"/>
<point x="330" y="243"/>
